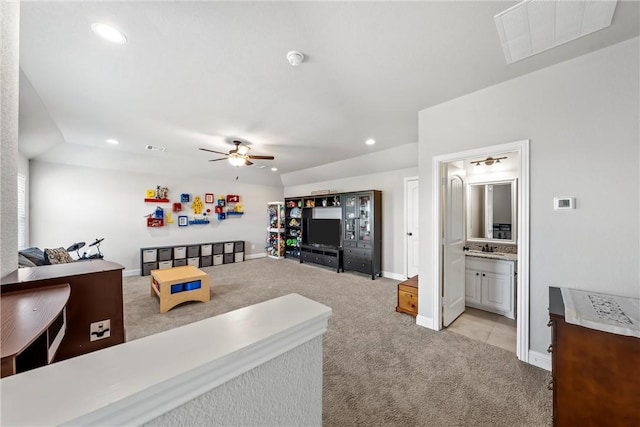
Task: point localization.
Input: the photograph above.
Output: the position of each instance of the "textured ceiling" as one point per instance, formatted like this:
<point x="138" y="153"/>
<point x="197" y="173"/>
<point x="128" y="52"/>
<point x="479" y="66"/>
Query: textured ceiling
<point x="198" y="74"/>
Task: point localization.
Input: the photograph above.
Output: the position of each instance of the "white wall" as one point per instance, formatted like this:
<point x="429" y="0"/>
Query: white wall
<point x="391" y="184"/>
<point x="9" y="36"/>
<point x="582" y="119"/>
<point x="70" y="204"/>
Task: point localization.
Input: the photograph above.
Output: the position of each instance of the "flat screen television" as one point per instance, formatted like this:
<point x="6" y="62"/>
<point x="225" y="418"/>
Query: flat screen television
<point x="323" y="232"/>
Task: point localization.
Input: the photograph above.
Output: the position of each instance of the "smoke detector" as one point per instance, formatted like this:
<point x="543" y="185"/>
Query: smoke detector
<point x="295" y="58"/>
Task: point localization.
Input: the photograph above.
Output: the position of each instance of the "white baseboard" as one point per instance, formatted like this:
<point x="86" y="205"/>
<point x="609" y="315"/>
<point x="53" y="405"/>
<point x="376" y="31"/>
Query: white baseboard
<point x="134" y="272"/>
<point x="424" y="321"/>
<point x="394" y="276"/>
<point x="540" y="360"/>
<point x="255" y="256"/>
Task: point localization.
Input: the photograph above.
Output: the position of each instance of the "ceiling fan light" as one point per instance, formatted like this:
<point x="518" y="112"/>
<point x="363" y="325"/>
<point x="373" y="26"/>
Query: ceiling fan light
<point x="237" y="160"/>
<point x="243" y="149"/>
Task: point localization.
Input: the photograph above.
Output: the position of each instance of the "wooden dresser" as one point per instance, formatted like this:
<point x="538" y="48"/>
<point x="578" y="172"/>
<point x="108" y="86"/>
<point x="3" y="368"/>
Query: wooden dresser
<point x="96" y="295"/>
<point x="596" y="375"/>
<point x="408" y="296"/>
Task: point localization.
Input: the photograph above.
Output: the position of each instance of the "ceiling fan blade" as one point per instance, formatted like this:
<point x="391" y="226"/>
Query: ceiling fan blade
<point x="212" y="151"/>
<point x="261" y="157"/>
<point x="247" y="162"/>
<point x="217" y="160"/>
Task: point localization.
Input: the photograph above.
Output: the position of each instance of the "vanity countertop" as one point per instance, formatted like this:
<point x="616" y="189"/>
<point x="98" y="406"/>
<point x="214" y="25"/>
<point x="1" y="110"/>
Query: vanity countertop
<point x="493" y="255"/>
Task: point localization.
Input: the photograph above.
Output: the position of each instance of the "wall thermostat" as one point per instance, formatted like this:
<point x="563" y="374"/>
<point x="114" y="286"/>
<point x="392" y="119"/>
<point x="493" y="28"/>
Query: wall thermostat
<point x="562" y="203"/>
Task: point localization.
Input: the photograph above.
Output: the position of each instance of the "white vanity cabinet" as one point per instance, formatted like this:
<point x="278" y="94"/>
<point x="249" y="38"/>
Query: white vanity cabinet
<point x="490" y="285"/>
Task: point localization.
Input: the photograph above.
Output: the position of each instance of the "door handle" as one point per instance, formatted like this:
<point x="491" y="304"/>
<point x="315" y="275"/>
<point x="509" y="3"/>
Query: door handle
<point x="409" y="234"/>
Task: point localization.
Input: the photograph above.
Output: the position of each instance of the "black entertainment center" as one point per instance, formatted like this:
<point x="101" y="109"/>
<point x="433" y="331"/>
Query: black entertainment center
<point x="352" y="242"/>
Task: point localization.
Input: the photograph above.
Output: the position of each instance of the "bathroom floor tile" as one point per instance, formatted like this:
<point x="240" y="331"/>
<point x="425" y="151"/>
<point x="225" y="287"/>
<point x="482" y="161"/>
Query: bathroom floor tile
<point x="486" y="327"/>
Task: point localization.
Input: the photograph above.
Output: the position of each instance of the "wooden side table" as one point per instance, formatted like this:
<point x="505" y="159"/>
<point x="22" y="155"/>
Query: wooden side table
<point x="408" y="296"/>
<point x="179" y="284"/>
<point x="33" y="325"/>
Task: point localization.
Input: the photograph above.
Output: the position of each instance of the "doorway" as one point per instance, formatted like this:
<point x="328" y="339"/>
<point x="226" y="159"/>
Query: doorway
<point x="412" y="226"/>
<point x="522" y="235"/>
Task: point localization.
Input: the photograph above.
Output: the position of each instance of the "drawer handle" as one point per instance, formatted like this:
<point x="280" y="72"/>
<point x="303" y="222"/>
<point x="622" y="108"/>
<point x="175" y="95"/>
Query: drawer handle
<point x="550" y="348"/>
<point x="550" y="323"/>
<point x="550" y="386"/>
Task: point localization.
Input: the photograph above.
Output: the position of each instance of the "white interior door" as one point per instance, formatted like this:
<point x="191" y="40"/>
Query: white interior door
<point x="413" y="230"/>
<point x="453" y="301"/>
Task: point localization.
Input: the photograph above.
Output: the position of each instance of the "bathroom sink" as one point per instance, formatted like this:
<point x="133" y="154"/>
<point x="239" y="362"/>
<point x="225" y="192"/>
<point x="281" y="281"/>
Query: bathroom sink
<point x="494" y="255"/>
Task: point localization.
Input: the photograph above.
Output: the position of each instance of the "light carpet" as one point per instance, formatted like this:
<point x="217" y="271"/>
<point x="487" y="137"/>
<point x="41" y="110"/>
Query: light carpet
<point x="380" y="368"/>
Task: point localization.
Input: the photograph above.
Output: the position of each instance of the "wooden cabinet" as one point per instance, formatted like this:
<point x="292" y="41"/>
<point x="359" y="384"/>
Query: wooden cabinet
<point x="362" y="232"/>
<point x="96" y="295"/>
<point x="595" y="374"/>
<point x="408" y="296"/>
<point x="490" y="285"/>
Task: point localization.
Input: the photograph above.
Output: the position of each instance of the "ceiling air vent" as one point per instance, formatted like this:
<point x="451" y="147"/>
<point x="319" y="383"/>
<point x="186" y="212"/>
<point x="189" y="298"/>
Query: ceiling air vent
<point x="155" y="148"/>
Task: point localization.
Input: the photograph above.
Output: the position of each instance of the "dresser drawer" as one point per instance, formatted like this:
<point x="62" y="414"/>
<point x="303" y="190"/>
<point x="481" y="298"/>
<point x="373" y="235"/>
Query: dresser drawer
<point x="357" y="264"/>
<point x="407" y="302"/>
<point x="357" y="253"/>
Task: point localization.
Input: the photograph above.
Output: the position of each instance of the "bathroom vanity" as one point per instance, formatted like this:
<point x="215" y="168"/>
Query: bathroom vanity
<point x="490" y="282"/>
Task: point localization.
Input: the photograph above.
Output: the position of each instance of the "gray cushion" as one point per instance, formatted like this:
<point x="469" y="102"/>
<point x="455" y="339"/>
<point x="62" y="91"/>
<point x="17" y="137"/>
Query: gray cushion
<point x="35" y="255"/>
<point x="23" y="261"/>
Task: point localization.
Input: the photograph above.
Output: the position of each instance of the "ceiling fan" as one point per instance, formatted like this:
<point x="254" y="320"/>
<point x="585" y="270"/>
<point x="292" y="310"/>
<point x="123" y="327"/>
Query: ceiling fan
<point x="238" y="156"/>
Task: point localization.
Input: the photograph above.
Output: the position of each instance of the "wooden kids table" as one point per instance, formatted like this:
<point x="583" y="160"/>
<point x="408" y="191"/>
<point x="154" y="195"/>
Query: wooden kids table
<point x="179" y="284"/>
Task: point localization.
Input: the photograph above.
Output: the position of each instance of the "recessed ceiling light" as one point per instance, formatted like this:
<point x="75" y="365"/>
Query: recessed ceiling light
<point x="274" y="169"/>
<point x="370" y="141"/>
<point x="112" y="141"/>
<point x="109" y="33"/>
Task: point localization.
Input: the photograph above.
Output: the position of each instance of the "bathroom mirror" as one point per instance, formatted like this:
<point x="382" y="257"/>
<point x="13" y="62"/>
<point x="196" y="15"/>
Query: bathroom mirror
<point x="491" y="211"/>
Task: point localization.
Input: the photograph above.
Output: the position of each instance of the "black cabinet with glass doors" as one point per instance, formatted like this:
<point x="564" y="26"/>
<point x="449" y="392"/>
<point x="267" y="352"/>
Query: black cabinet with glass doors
<point x="362" y="231"/>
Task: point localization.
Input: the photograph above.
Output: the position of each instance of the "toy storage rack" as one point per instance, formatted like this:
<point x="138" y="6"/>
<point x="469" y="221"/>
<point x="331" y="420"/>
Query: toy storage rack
<point x="195" y="254"/>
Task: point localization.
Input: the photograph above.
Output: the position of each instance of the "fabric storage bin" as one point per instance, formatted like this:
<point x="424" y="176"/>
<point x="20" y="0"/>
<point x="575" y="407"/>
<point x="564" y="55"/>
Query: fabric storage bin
<point x="148" y="266"/>
<point x="218" y="248"/>
<point x="205" y="250"/>
<point x="228" y="258"/>
<point x="238" y="247"/>
<point x="218" y="259"/>
<point x="179" y="262"/>
<point x="164" y="254"/>
<point x="238" y="256"/>
<point x="195" y="261"/>
<point x="180" y="252"/>
<point x="149" y="255"/>
<point x="228" y="248"/>
<point x="206" y="261"/>
<point x="165" y="264"/>
<point x="193" y="251"/>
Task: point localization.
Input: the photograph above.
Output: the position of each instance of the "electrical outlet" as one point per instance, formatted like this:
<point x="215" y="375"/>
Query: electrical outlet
<point x="100" y="330"/>
<point x="253" y="246"/>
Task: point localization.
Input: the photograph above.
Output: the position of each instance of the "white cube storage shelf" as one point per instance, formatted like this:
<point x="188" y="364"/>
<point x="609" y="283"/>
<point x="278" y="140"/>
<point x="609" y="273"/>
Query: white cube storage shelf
<point x="197" y="255"/>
